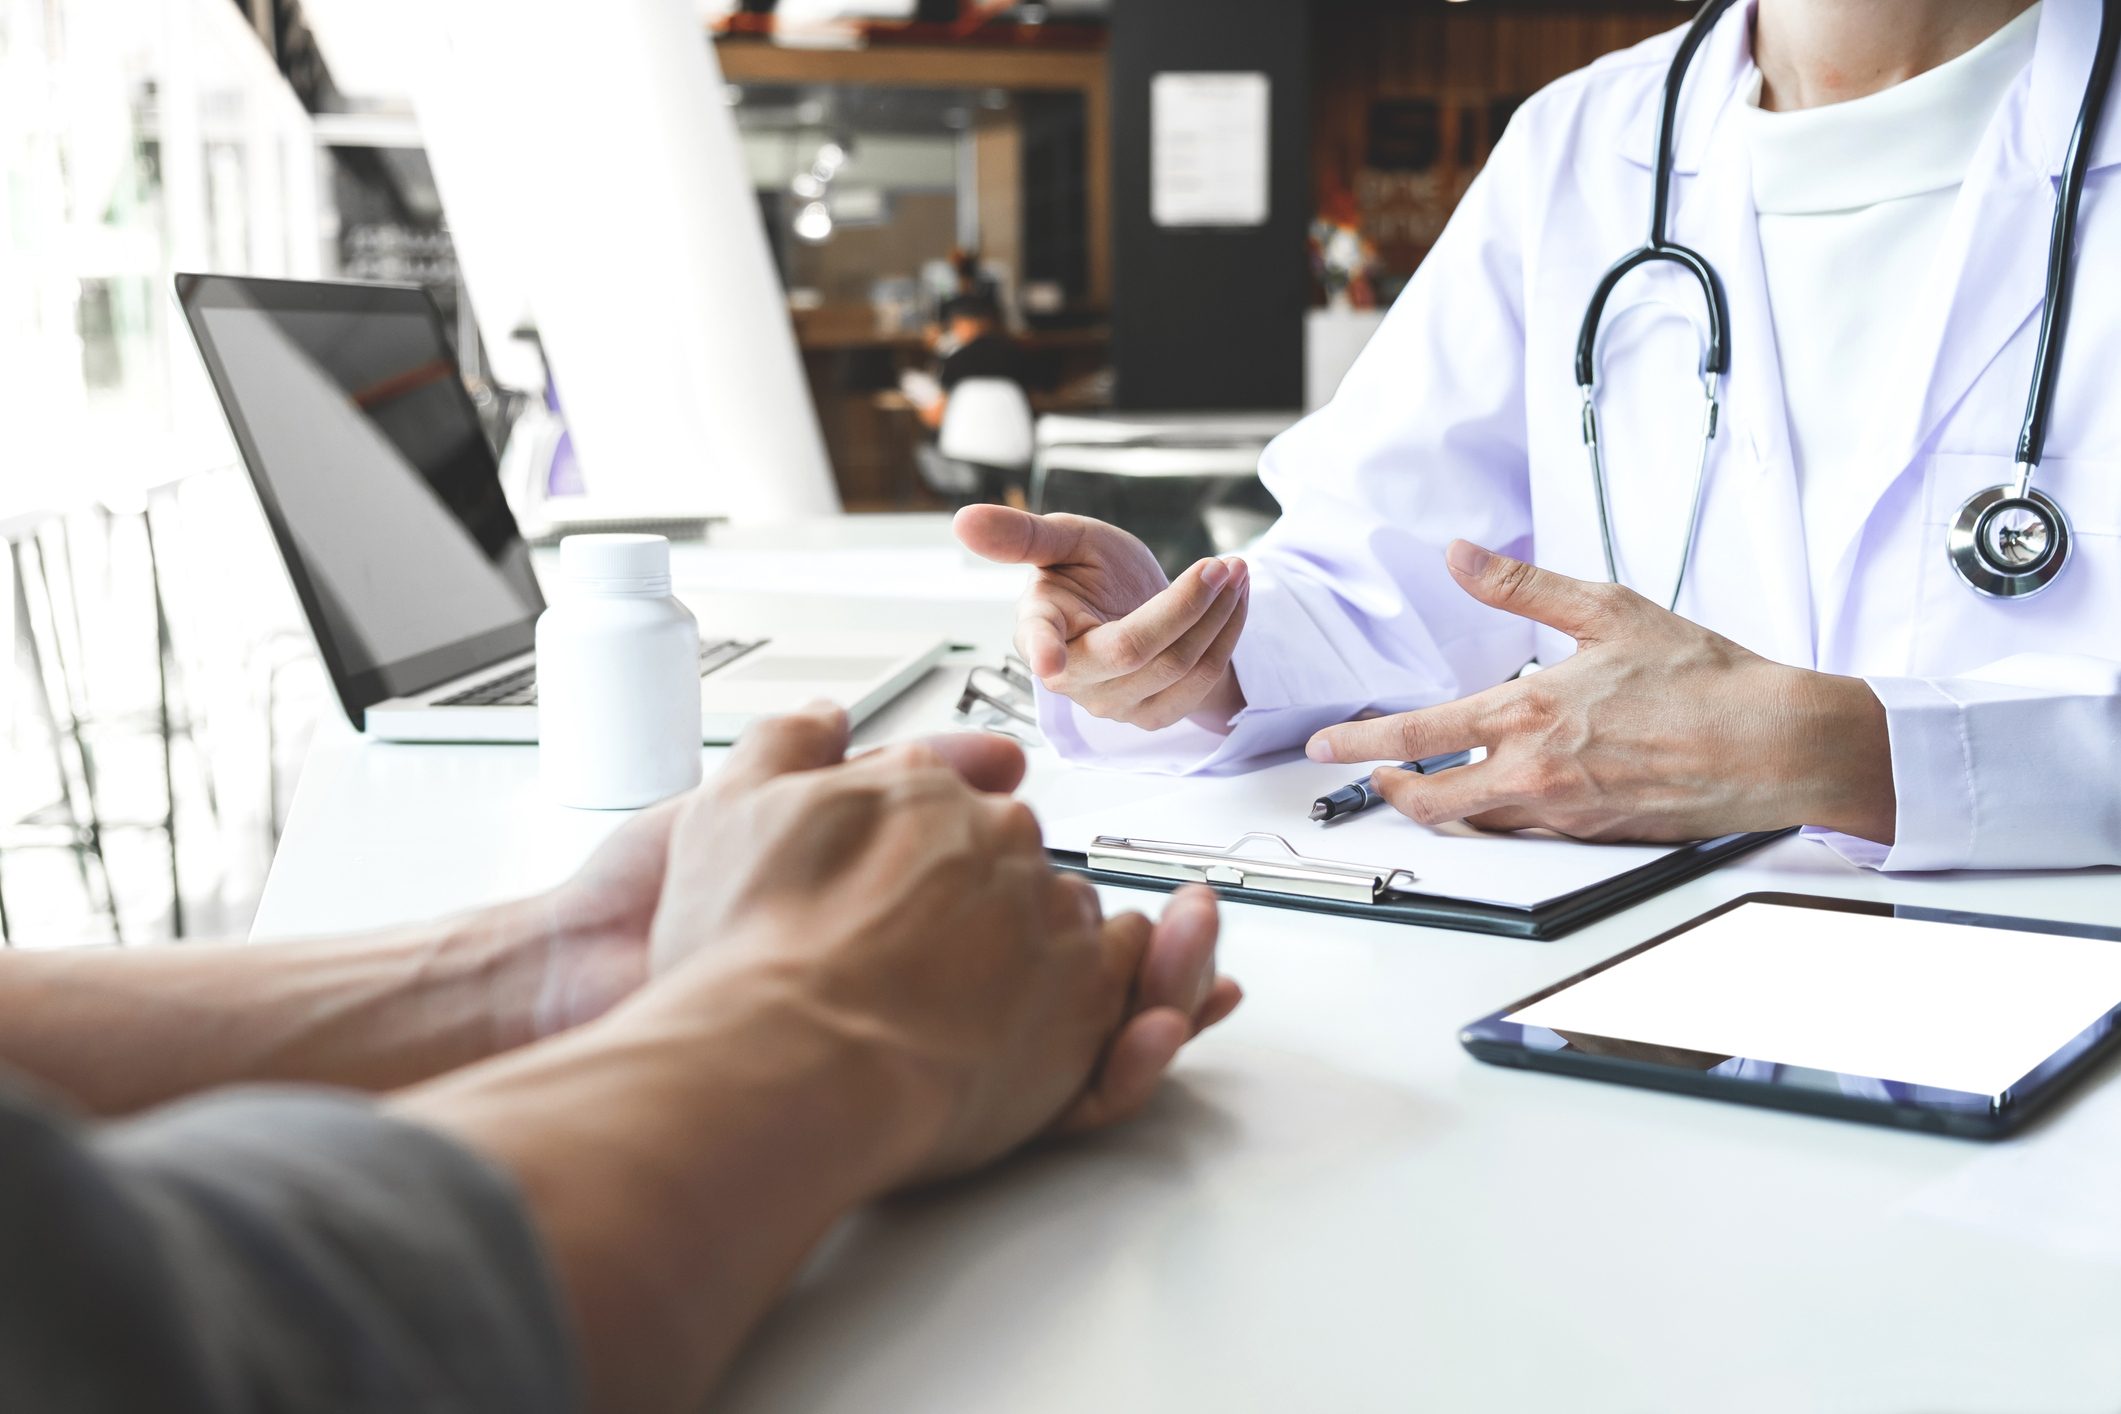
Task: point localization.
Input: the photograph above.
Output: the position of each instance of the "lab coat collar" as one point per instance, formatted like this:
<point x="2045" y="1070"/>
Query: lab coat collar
<point x="2062" y="59"/>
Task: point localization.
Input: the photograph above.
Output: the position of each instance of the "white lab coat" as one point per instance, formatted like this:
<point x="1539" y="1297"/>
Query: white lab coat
<point x="1461" y="419"/>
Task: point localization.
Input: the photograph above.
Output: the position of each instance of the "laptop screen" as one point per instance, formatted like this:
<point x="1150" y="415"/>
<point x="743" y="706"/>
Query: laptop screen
<point x="375" y="474"/>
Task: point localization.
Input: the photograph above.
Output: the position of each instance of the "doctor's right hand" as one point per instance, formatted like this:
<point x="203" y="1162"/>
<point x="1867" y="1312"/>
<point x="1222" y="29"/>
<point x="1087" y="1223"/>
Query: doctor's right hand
<point x="1102" y="626"/>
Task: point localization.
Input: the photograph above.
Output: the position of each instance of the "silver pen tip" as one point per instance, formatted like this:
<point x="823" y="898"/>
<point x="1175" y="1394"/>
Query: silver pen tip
<point x="1319" y="810"/>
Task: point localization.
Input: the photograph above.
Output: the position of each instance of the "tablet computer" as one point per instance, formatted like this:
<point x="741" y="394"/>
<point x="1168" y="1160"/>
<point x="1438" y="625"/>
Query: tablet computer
<point x="1959" y="1023"/>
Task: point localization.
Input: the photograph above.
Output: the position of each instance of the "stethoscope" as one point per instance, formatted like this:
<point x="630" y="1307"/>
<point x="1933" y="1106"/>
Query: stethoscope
<point x="2009" y="541"/>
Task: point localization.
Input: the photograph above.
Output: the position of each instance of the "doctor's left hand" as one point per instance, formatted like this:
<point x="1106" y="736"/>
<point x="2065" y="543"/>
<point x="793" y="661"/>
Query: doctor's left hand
<point x="1655" y="729"/>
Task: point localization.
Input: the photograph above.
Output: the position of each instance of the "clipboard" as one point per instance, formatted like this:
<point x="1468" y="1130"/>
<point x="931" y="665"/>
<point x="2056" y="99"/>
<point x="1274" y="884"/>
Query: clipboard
<point x="1265" y="868"/>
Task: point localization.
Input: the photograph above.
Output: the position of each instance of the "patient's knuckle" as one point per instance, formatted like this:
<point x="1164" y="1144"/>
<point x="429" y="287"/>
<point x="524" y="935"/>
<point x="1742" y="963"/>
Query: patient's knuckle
<point x="1019" y="824"/>
<point x="1079" y="894"/>
<point x="774" y="734"/>
<point x="911" y="757"/>
<point x="932" y="807"/>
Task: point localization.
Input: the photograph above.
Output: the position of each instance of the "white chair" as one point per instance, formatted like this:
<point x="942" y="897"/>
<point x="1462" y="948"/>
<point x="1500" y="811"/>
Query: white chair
<point x="988" y="426"/>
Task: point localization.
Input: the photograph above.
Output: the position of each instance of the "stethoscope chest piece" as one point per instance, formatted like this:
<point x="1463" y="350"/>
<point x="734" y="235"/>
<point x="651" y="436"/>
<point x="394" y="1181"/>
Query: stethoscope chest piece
<point x="2009" y="543"/>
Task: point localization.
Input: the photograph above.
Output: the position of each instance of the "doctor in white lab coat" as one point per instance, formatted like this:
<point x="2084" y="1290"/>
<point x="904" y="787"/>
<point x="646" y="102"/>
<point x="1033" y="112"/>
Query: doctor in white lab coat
<point x="1874" y="181"/>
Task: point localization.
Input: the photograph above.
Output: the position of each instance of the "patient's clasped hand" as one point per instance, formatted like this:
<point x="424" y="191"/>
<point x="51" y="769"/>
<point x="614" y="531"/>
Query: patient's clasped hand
<point x="624" y="1111"/>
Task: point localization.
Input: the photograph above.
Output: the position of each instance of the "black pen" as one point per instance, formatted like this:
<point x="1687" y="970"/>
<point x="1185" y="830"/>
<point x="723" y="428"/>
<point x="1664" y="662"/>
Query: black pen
<point x="1357" y="796"/>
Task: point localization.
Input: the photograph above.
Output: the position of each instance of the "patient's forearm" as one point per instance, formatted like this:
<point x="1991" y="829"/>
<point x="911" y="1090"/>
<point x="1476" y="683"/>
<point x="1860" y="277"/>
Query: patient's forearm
<point x="117" y="1030"/>
<point x="680" y="1159"/>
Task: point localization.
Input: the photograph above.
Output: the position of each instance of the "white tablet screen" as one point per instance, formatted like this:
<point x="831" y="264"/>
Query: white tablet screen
<point x="1924" y="1003"/>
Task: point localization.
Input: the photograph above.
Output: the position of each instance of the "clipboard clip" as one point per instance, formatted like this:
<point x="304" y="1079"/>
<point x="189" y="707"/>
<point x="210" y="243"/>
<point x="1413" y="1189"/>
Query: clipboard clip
<point x="1295" y="874"/>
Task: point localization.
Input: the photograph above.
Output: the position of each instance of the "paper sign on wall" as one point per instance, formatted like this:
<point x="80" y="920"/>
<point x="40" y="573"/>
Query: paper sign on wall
<point x="1208" y="149"/>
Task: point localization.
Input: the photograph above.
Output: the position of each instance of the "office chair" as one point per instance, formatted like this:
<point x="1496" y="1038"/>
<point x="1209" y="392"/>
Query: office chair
<point x="988" y="428"/>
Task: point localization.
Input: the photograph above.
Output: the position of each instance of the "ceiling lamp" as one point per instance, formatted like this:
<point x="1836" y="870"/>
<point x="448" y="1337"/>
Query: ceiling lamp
<point x="814" y="223"/>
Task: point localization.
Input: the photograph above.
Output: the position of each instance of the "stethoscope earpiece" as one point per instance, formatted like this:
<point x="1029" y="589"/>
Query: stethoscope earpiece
<point x="2008" y="544"/>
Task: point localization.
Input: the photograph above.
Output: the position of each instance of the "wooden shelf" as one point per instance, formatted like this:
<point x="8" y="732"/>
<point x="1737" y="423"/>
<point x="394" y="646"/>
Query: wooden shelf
<point x="965" y="66"/>
<point x="913" y="66"/>
<point x="830" y="340"/>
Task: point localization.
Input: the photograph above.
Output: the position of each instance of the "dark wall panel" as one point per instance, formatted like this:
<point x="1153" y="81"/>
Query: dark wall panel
<point x="1210" y="319"/>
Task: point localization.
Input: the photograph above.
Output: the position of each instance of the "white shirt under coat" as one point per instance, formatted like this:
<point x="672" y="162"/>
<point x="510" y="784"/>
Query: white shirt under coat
<point x="1854" y="201"/>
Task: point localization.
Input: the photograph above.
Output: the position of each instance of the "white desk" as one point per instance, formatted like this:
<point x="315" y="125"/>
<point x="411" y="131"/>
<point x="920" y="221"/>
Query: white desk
<point x="1333" y="1207"/>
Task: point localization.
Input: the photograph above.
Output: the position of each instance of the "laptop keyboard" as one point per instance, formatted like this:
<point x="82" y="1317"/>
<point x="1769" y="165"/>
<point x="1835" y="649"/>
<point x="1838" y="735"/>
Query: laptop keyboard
<point x="520" y="688"/>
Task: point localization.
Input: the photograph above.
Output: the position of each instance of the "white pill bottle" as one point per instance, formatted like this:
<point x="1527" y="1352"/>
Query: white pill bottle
<point x="618" y="677"/>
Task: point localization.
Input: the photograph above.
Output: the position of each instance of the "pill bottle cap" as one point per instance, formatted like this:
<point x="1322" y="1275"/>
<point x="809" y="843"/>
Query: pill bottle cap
<point x="617" y="564"/>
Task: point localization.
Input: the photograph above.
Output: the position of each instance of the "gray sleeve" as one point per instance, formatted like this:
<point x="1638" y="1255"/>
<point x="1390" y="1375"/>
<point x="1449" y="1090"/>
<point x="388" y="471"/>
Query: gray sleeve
<point x="267" y="1250"/>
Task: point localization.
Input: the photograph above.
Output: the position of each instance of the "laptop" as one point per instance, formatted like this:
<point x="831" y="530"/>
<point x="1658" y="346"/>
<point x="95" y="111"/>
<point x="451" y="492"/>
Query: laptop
<point x="383" y="496"/>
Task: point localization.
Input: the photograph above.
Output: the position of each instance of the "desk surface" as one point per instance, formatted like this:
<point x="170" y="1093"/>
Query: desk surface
<point x="1333" y="1207"/>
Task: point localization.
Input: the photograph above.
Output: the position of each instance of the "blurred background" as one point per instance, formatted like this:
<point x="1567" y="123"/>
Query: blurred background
<point x="1081" y="254"/>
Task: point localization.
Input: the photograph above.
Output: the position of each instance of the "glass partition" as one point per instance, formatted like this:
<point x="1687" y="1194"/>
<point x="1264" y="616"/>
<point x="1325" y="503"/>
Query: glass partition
<point x="137" y="138"/>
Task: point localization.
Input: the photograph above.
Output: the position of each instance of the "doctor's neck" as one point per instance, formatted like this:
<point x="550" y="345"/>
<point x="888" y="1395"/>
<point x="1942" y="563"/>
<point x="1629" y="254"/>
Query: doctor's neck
<point x="1815" y="52"/>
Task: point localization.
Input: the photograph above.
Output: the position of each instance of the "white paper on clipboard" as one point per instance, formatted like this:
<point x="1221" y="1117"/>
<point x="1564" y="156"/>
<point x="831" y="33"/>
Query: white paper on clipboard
<point x="1208" y="149"/>
<point x="1451" y="861"/>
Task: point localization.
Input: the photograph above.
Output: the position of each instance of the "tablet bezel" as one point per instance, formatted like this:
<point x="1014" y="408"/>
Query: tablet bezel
<point x="1506" y="1043"/>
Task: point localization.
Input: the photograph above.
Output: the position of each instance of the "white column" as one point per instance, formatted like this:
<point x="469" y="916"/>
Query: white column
<point x="592" y="177"/>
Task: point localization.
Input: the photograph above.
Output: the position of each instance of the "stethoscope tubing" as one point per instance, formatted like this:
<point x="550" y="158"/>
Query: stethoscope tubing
<point x="1987" y="569"/>
<point x="1659" y="247"/>
<point x="2062" y="248"/>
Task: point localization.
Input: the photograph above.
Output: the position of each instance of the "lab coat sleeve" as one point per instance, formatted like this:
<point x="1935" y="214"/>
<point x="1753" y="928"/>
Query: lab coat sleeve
<point x="2016" y="765"/>
<point x="1352" y="610"/>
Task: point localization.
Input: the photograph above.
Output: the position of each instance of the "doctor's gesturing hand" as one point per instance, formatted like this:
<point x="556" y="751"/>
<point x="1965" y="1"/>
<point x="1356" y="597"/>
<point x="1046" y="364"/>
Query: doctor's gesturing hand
<point x="1655" y="729"/>
<point x="1101" y="625"/>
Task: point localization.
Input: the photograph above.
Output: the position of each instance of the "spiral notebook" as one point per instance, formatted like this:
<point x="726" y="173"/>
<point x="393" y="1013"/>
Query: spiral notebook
<point x="1251" y="836"/>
